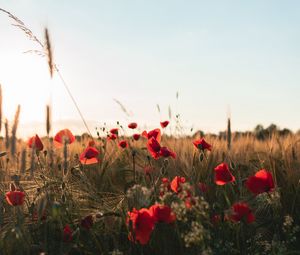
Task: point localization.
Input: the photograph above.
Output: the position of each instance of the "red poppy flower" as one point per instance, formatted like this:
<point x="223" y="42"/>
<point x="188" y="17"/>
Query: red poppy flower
<point x="136" y="137"/>
<point x="176" y="183"/>
<point x="165" y="180"/>
<point x="261" y="182"/>
<point x="63" y="136"/>
<point x="165" y="152"/>
<point x="203" y="187"/>
<point x="162" y="213"/>
<point x="67" y="234"/>
<point x="112" y="137"/>
<point x="142" y="223"/>
<point x="241" y="211"/>
<point x="114" y="131"/>
<point x="36" y="143"/>
<point x="132" y="125"/>
<point x="15" y="197"/>
<point x="155" y="133"/>
<point x="123" y="144"/>
<point x="153" y="147"/>
<point x="164" y="124"/>
<point x="201" y="144"/>
<point x="89" y="156"/>
<point x="223" y="175"/>
<point x="87" y="222"/>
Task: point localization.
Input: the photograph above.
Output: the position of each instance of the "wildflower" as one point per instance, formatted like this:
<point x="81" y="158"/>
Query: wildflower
<point x="165" y="152"/>
<point x="112" y="137"/>
<point x="194" y="236"/>
<point x="138" y="196"/>
<point x="165" y="181"/>
<point x="67" y="234"/>
<point x="132" y="125"/>
<point x="241" y="211"/>
<point x="154" y="147"/>
<point x="261" y="182"/>
<point x="155" y="133"/>
<point x="164" y="124"/>
<point x="201" y="144"/>
<point x="36" y="143"/>
<point x="63" y="136"/>
<point x="15" y="197"/>
<point x="142" y="223"/>
<point x="116" y="252"/>
<point x="89" y="156"/>
<point x="223" y="175"/>
<point x="162" y="213"/>
<point x="165" y="186"/>
<point x="157" y="151"/>
<point x="123" y="144"/>
<point x="114" y="131"/>
<point x="136" y="137"/>
<point x="189" y="202"/>
<point x="176" y="183"/>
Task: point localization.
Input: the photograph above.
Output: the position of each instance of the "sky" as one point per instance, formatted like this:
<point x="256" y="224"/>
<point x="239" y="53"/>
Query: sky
<point x="222" y="57"/>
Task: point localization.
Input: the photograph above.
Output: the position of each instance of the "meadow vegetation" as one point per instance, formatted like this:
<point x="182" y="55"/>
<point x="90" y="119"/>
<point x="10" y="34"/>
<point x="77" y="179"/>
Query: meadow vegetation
<point x="78" y="200"/>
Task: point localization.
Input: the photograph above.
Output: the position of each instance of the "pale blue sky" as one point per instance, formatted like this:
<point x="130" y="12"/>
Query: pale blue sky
<point x="242" y="54"/>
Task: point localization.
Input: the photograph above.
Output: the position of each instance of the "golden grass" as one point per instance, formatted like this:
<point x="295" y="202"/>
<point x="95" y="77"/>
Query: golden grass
<point x="49" y="54"/>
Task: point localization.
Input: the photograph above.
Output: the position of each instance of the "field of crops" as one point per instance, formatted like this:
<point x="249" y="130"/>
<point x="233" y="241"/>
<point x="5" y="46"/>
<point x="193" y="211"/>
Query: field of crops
<point x="148" y="193"/>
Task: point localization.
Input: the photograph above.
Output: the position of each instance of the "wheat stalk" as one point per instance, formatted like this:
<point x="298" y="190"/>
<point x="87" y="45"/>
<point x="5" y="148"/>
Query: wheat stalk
<point x="122" y="107"/>
<point x="158" y="108"/>
<point x="20" y="24"/>
<point x="52" y="66"/>
<point x="32" y="163"/>
<point x="65" y="152"/>
<point x="14" y="131"/>
<point x="48" y="119"/>
<point x="23" y="161"/>
<point x="49" y="52"/>
<point x="228" y="134"/>
<point x="6" y="134"/>
<point x="170" y="112"/>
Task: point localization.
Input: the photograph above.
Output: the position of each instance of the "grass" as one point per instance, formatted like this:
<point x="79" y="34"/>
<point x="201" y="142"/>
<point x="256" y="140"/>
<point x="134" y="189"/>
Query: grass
<point x="105" y="191"/>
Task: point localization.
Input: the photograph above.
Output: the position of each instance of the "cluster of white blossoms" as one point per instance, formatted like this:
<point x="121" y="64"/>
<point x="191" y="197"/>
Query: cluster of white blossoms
<point x="287" y="223"/>
<point x="180" y="211"/>
<point x="274" y="245"/>
<point x="290" y="229"/>
<point x="195" y="235"/>
<point x="191" y="211"/>
<point x="138" y="197"/>
<point x="270" y="198"/>
<point x="116" y="252"/>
